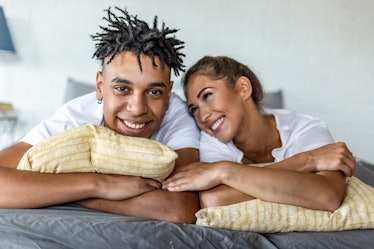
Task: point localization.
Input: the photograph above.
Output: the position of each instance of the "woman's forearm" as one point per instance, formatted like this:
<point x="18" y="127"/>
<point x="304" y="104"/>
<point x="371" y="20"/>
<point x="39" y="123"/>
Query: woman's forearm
<point x="316" y="191"/>
<point x="222" y="195"/>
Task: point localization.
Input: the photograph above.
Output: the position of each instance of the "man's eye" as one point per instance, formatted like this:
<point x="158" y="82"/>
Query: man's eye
<point x="155" y="92"/>
<point x="121" y="88"/>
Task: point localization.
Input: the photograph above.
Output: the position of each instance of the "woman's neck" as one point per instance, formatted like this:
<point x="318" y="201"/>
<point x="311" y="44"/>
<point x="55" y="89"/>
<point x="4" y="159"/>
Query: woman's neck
<point x="258" y="137"/>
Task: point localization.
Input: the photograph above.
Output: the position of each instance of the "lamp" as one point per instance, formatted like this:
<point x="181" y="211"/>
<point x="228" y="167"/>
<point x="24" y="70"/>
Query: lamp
<point x="6" y="44"/>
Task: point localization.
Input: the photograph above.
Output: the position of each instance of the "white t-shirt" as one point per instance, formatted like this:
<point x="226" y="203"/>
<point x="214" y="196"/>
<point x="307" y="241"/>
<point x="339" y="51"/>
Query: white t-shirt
<point x="178" y="129"/>
<point x="298" y="133"/>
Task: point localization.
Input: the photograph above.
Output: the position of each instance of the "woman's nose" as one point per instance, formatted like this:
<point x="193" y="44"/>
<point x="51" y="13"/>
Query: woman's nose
<point x="204" y="114"/>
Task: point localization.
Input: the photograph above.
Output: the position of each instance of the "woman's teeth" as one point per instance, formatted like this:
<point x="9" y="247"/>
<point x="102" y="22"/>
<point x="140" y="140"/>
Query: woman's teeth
<point x="217" y="124"/>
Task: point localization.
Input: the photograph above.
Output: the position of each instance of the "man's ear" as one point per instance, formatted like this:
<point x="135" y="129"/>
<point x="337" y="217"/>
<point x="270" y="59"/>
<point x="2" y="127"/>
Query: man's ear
<point x="99" y="85"/>
<point x="171" y="83"/>
<point x="170" y="89"/>
<point x="244" y="87"/>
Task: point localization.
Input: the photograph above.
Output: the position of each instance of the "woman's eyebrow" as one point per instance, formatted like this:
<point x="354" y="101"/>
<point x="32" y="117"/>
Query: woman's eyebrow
<point x="201" y="91"/>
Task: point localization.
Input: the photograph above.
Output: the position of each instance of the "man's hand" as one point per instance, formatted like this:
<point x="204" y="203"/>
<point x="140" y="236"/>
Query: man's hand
<point x="116" y="187"/>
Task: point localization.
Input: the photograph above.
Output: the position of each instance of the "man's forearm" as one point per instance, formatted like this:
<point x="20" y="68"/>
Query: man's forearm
<point x="26" y="189"/>
<point x="177" y="207"/>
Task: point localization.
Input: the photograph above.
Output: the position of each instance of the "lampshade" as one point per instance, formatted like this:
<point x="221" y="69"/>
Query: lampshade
<point x="6" y="44"/>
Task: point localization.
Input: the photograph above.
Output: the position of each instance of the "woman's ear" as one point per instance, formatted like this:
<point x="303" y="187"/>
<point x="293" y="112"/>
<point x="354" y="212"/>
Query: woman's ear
<point x="244" y="87"/>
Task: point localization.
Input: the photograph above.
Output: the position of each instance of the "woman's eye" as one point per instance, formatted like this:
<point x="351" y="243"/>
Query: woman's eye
<point x="205" y="96"/>
<point x="193" y="110"/>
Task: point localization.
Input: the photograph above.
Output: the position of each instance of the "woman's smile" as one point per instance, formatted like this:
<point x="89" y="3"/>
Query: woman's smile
<point x="217" y="124"/>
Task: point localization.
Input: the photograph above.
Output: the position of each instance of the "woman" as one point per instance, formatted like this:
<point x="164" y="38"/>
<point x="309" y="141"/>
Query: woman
<point x="224" y="96"/>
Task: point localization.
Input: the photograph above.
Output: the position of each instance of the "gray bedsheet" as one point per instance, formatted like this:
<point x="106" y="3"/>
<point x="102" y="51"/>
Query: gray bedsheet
<point x="71" y="226"/>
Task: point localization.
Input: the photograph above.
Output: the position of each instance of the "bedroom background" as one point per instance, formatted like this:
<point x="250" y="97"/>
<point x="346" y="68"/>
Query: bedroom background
<point x="319" y="53"/>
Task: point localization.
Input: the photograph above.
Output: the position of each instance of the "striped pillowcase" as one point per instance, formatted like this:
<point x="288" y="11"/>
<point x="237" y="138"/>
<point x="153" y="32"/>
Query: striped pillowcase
<point x="93" y="148"/>
<point x="356" y="212"/>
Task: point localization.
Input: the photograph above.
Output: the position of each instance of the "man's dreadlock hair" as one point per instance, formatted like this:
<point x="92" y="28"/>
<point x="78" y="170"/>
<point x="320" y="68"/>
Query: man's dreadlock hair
<point x="128" y="33"/>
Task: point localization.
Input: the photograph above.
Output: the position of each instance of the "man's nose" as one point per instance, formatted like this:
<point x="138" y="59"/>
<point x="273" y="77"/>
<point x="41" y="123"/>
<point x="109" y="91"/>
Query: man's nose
<point x="137" y="104"/>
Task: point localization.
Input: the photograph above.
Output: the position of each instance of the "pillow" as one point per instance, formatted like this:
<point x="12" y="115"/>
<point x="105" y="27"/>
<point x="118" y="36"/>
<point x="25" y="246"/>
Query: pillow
<point x="273" y="99"/>
<point x="356" y="212"/>
<point x="75" y="88"/>
<point x="93" y="148"/>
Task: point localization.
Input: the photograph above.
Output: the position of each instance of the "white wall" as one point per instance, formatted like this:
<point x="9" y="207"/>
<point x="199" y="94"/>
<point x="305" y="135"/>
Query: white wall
<point x="319" y="52"/>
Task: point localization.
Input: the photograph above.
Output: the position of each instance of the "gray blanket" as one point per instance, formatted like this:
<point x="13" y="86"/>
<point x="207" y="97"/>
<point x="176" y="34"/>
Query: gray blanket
<point x="71" y="226"/>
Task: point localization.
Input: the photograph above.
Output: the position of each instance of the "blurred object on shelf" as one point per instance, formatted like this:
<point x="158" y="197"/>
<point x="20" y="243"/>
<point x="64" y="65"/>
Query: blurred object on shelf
<point x="8" y="122"/>
<point x="6" y="107"/>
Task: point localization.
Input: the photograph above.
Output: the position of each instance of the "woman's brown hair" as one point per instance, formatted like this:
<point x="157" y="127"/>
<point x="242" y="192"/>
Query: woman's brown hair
<point x="226" y="69"/>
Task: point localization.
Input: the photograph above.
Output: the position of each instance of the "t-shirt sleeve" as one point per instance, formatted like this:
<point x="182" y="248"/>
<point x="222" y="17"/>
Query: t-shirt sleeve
<point x="77" y="112"/>
<point x="299" y="133"/>
<point x="314" y="135"/>
<point x="212" y="150"/>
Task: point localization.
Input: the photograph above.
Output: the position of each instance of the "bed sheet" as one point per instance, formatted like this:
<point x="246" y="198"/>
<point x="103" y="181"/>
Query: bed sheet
<point x="71" y="226"/>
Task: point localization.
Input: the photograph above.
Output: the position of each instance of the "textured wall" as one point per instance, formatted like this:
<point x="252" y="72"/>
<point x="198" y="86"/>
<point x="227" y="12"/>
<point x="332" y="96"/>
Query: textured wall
<point x="318" y="52"/>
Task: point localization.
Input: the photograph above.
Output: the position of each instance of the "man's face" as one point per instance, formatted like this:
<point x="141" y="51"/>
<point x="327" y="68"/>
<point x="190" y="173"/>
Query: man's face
<point x="134" y="101"/>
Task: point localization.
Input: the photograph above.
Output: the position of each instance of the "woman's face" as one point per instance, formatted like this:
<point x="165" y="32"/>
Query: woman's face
<point x="217" y="109"/>
<point x="134" y="101"/>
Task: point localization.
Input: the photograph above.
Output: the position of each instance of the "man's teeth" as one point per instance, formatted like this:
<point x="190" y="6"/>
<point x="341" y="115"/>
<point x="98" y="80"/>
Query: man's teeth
<point x="133" y="126"/>
<point x="217" y="123"/>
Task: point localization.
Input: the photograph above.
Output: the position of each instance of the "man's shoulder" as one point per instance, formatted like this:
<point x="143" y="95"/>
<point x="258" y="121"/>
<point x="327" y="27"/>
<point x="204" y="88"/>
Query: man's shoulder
<point x="176" y="100"/>
<point x="86" y="99"/>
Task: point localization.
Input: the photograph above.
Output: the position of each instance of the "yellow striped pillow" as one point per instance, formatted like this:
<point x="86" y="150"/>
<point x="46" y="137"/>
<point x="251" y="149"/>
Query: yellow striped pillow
<point x="356" y="212"/>
<point x="93" y="148"/>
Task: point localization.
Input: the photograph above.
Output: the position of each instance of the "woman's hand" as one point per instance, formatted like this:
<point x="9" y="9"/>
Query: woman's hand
<point x="194" y="177"/>
<point x="332" y="157"/>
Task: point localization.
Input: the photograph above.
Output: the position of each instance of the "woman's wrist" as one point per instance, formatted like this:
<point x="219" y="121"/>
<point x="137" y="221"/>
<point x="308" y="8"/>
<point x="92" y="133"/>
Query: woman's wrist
<point x="225" y="171"/>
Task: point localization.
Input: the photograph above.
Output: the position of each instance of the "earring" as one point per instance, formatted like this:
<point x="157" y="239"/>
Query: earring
<point x="99" y="101"/>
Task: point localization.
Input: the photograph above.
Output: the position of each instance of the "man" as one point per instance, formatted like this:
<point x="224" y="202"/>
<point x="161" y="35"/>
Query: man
<point x="133" y="97"/>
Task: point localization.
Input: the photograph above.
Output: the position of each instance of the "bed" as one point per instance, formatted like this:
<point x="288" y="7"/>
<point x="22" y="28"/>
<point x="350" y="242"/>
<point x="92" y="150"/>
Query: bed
<point x="72" y="226"/>
<point x="69" y="226"/>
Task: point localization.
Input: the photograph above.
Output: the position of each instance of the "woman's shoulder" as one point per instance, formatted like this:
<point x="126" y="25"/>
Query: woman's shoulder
<point x="290" y="118"/>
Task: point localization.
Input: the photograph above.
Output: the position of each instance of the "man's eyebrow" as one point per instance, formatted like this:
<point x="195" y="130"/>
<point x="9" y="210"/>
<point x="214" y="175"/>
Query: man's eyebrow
<point x="158" y="84"/>
<point x="125" y="81"/>
<point x="121" y="80"/>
